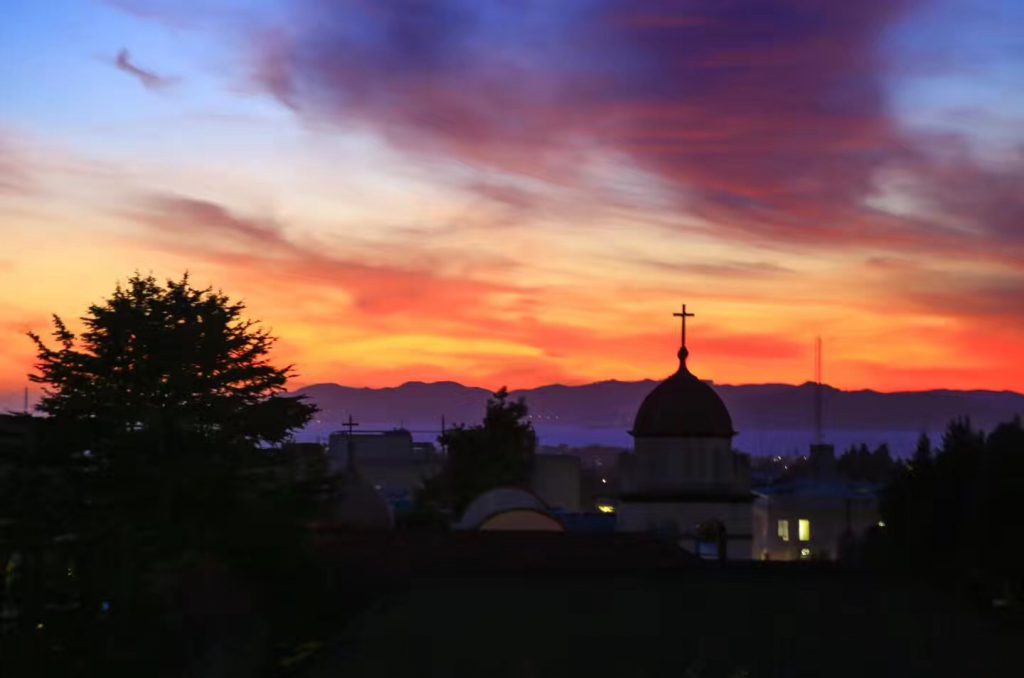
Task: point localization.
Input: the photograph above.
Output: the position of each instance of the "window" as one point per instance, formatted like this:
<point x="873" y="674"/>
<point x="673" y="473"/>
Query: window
<point x="805" y="529"/>
<point x="784" y="530"/>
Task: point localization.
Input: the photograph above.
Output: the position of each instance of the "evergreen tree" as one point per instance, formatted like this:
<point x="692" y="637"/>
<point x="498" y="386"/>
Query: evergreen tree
<point x="960" y="510"/>
<point x="922" y="458"/>
<point x="498" y="452"/>
<point x="861" y="464"/>
<point x="168" y="364"/>
<point x="156" y="479"/>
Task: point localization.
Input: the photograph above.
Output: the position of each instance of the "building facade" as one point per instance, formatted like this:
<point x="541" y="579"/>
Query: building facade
<point x="389" y="461"/>
<point x="812" y="520"/>
<point x="683" y="478"/>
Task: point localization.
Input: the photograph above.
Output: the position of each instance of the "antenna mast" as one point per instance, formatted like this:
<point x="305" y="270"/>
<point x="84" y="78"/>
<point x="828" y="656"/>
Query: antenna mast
<point x="817" y="392"/>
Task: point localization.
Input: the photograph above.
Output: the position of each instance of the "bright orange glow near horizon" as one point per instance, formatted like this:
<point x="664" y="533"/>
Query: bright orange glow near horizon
<point x="403" y="208"/>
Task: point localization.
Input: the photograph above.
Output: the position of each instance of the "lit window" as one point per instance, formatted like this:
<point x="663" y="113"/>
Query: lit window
<point x="784" y="530"/>
<point x="805" y="529"/>
<point x="606" y="508"/>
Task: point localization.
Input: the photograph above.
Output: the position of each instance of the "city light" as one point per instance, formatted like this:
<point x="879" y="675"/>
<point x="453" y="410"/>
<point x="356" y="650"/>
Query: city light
<point x="783" y="530"/>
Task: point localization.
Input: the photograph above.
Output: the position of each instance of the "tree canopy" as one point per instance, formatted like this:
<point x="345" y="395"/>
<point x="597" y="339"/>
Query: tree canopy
<point x="861" y="464"/>
<point x="497" y="452"/>
<point x="148" y="474"/>
<point x="170" y="361"/>
<point x="961" y="506"/>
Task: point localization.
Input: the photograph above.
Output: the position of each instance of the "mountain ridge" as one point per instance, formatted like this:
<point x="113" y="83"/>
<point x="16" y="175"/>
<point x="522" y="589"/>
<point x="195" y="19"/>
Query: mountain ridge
<point x="613" y="403"/>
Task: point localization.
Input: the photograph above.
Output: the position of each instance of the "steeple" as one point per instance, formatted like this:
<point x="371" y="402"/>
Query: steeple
<point x="683" y="351"/>
<point x="683" y="406"/>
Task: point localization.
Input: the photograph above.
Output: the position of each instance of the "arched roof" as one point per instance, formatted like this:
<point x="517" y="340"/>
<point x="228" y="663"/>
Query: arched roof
<point x="682" y="406"/>
<point x="497" y="501"/>
<point x="522" y="520"/>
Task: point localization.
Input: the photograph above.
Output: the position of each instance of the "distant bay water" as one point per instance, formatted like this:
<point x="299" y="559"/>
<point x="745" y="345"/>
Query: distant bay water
<point x="758" y="443"/>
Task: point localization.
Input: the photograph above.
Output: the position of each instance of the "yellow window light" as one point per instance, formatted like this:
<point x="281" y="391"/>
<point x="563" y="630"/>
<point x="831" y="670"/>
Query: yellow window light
<point x="784" y="530"/>
<point x="805" y="529"/>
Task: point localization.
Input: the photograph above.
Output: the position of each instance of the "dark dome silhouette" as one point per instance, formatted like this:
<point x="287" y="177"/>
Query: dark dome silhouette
<point x="682" y="406"/>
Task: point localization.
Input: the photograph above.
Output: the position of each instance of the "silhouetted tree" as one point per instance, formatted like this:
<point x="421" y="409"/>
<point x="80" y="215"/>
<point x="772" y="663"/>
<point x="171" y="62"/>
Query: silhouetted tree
<point x="166" y="363"/>
<point x="922" y="458"/>
<point x="157" y="412"/>
<point x="498" y="452"/>
<point x="860" y="463"/>
<point x="961" y="510"/>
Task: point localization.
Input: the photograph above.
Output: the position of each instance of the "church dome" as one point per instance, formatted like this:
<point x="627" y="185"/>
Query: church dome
<point x="682" y="406"/>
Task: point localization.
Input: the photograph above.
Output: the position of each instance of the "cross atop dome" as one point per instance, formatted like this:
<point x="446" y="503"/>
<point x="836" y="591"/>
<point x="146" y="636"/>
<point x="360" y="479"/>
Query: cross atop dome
<point x="683" y="315"/>
<point x="683" y="406"/>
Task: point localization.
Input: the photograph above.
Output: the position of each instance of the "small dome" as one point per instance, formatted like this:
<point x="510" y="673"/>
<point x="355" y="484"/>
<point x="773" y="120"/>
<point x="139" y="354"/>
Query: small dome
<point x="682" y="406"/>
<point x="508" y="508"/>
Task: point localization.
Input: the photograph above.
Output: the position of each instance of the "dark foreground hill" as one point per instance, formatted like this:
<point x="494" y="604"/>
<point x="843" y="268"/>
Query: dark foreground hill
<point x="557" y="605"/>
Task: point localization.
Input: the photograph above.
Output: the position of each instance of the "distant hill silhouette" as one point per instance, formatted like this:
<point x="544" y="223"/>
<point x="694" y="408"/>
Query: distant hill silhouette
<point x="612" y="405"/>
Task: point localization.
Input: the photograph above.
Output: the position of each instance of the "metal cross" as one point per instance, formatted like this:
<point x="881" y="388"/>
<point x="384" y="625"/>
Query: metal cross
<point x="683" y="316"/>
<point x="350" y="424"/>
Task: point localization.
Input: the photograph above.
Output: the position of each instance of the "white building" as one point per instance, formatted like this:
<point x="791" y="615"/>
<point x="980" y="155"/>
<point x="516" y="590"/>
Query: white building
<point x="818" y="517"/>
<point x="556" y="480"/>
<point x="389" y="461"/>
<point x="683" y="478"/>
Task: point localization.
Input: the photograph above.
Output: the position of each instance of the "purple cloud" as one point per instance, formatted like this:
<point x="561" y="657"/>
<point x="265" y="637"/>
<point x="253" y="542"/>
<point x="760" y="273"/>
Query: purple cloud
<point x="149" y="79"/>
<point x="766" y="112"/>
<point x="770" y="118"/>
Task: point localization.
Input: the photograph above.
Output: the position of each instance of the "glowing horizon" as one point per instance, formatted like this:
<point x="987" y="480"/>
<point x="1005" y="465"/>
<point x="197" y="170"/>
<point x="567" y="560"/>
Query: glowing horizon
<point x="465" y="191"/>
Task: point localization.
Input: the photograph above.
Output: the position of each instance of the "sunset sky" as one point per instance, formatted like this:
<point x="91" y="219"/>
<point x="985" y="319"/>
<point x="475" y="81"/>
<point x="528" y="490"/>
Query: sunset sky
<point x="521" y="193"/>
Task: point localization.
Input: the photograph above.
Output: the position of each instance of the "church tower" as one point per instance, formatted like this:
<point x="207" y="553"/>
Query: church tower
<point x="683" y="478"/>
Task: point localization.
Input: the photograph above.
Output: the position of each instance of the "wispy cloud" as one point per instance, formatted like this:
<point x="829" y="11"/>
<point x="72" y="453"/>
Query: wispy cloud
<point x="491" y="327"/>
<point x="148" y="78"/>
<point x="15" y="167"/>
<point x="205" y="229"/>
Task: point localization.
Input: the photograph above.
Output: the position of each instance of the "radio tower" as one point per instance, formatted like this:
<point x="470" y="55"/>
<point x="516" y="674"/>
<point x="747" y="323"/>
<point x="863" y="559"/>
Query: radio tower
<point x="823" y="456"/>
<point x="817" y="392"/>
